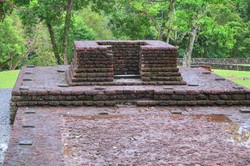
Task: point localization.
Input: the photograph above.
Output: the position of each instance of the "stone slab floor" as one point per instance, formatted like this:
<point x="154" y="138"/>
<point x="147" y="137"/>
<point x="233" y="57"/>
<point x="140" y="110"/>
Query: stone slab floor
<point x="129" y="135"/>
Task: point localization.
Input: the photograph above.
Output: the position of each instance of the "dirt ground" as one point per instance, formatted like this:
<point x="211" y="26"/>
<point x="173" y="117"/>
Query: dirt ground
<point x="129" y="135"/>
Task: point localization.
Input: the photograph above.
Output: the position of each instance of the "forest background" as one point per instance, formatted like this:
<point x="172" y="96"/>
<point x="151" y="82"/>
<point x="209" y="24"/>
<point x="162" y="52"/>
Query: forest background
<point x="41" y="32"/>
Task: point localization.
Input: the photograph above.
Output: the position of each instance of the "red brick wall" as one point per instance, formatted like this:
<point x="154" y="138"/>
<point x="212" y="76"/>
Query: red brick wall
<point x="125" y="57"/>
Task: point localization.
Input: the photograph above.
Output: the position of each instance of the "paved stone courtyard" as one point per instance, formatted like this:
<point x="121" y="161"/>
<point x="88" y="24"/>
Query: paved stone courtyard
<point x="129" y="135"/>
<point x="133" y="131"/>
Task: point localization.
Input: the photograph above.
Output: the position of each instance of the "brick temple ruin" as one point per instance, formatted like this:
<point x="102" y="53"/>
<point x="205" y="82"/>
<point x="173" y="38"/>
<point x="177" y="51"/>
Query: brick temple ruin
<point x="102" y="62"/>
<point x="112" y="91"/>
<point x="107" y="73"/>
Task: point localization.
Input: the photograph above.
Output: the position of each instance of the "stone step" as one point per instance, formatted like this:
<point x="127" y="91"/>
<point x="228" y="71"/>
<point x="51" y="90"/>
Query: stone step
<point x="192" y="103"/>
<point x="134" y="102"/>
<point x="126" y="76"/>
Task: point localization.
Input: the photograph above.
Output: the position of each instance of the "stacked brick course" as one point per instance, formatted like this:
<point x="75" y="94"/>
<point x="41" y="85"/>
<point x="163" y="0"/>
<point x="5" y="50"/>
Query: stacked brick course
<point x="96" y="62"/>
<point x="45" y="91"/>
<point x="139" y="97"/>
<point x="91" y="64"/>
<point x="125" y="56"/>
<point x="160" y="64"/>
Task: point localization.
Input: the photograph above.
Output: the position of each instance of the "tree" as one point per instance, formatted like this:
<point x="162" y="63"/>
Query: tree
<point x="171" y="8"/>
<point x="242" y="29"/>
<point x="66" y="31"/>
<point x="39" y="49"/>
<point x="93" y="26"/>
<point x="52" y="12"/>
<point x="49" y="12"/>
<point x="125" y="24"/>
<point x="12" y="42"/>
<point x="158" y="12"/>
<point x="191" y="16"/>
<point x="194" y="11"/>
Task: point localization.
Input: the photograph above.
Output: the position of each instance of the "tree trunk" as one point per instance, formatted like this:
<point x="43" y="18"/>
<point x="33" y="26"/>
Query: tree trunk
<point x="159" y="36"/>
<point x="2" y="64"/>
<point x="14" y="65"/>
<point x="170" y="19"/>
<point x="11" y="63"/>
<point x="53" y="42"/>
<point x="190" y="46"/>
<point x="66" y="31"/>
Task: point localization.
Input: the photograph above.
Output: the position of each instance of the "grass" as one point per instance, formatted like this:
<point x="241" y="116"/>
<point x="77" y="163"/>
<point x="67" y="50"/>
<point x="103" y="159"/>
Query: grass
<point x="8" y="78"/>
<point x="239" y="77"/>
<point x="243" y="64"/>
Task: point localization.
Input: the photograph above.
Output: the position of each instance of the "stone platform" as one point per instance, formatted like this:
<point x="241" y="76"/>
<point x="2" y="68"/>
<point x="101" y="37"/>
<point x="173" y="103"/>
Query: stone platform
<point x="129" y="135"/>
<point x="48" y="86"/>
<point x="123" y="83"/>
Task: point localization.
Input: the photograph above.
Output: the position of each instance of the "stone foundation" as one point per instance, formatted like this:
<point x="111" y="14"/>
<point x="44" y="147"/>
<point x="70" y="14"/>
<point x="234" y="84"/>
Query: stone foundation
<point x="41" y="86"/>
<point x="138" y="97"/>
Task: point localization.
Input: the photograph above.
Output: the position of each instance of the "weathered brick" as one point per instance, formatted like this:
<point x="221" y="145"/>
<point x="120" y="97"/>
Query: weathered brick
<point x="224" y="97"/>
<point x="190" y="97"/>
<point x="162" y="97"/>
<point x="202" y="102"/>
<point x="51" y="98"/>
<point x="70" y="98"/>
<point x="54" y="103"/>
<point x="177" y="97"/>
<point x="16" y="98"/>
<point x="214" y="97"/>
<point x="100" y="97"/>
<point x="22" y="103"/>
<point x="42" y="103"/>
<point x="238" y="97"/>
<point x="123" y="58"/>
<point x="192" y="103"/>
<point x="77" y="103"/>
<point x="182" y="103"/>
<point x="220" y="102"/>
<point x="89" y="103"/>
<point x="66" y="103"/>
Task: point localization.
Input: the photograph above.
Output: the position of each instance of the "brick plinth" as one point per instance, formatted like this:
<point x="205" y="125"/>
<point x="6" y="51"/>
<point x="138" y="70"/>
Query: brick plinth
<point x="140" y="97"/>
<point x="44" y="90"/>
<point x="96" y="63"/>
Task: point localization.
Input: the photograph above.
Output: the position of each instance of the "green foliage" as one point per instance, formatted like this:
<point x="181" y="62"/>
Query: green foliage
<point x="8" y="78"/>
<point x="128" y="22"/>
<point x="12" y="42"/>
<point x="96" y="22"/>
<point x="223" y="26"/>
<point x="223" y="33"/>
<point x="5" y="9"/>
<point x="78" y="31"/>
<point x="33" y="11"/>
<point x="130" y="26"/>
<point x="53" y="12"/>
<point x="40" y="50"/>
